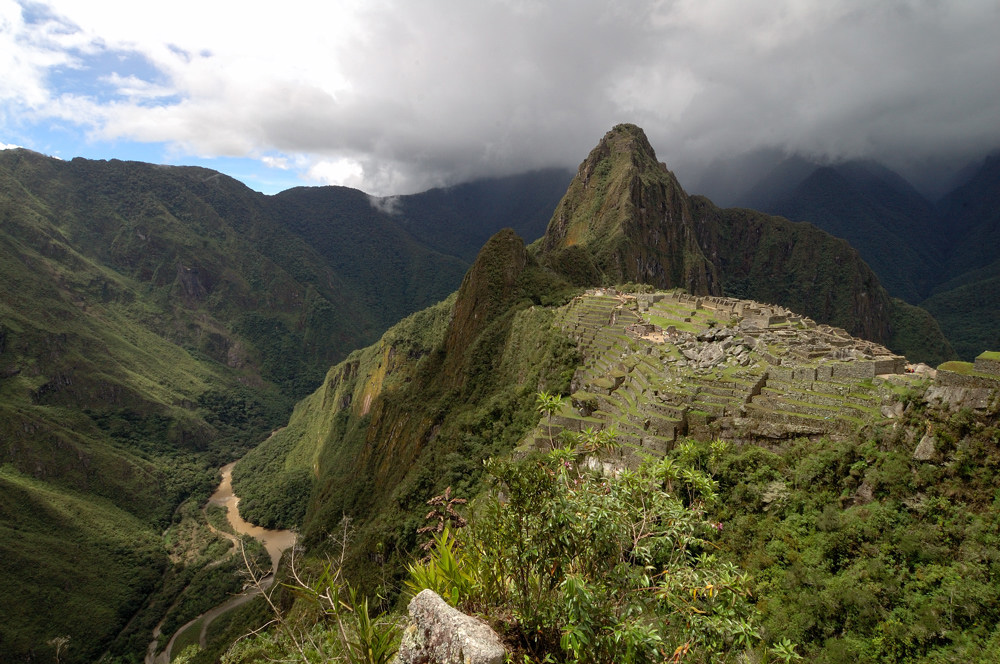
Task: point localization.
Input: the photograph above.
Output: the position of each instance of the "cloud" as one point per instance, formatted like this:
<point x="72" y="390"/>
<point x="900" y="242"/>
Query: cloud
<point x="391" y="205"/>
<point x="281" y="163"/>
<point x="394" y="96"/>
<point x="344" y="172"/>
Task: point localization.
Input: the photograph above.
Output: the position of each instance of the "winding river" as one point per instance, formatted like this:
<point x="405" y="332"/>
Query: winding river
<point x="275" y="542"/>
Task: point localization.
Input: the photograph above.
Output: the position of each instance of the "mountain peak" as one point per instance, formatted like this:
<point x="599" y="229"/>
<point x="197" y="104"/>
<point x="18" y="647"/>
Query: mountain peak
<point x="631" y="219"/>
<point x="627" y="139"/>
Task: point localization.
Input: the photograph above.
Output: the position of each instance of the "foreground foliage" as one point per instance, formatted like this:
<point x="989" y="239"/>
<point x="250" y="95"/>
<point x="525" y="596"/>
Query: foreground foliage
<point x="861" y="553"/>
<point x="579" y="567"/>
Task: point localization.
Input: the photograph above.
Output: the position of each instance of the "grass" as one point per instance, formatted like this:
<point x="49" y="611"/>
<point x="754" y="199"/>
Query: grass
<point x="955" y="366"/>
<point x="191" y="636"/>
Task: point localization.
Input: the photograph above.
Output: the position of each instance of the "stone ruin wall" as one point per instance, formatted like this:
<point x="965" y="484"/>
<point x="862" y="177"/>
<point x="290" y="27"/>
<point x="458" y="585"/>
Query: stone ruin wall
<point x="987" y="365"/>
<point x="947" y="378"/>
<point x="755" y="319"/>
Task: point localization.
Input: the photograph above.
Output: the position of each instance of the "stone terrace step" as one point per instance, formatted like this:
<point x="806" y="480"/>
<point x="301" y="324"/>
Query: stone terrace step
<point x="659" y="409"/>
<point x="769" y="414"/>
<point x="832" y="413"/>
<point x="855" y="402"/>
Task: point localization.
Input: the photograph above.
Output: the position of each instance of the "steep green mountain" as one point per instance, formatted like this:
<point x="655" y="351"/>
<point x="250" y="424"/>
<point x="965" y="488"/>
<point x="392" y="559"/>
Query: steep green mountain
<point x="145" y="340"/>
<point x="626" y="218"/>
<point x="442" y="390"/>
<point x="893" y="228"/>
<point x="156" y="322"/>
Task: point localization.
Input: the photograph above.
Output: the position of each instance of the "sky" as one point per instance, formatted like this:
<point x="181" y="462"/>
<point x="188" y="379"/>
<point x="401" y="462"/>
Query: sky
<point x="398" y="96"/>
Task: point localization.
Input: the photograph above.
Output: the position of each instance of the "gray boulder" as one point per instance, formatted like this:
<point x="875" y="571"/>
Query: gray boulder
<point x="925" y="449"/>
<point x="439" y="634"/>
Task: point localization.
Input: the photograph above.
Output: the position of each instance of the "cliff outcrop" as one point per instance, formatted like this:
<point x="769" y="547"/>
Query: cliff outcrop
<point x="632" y="219"/>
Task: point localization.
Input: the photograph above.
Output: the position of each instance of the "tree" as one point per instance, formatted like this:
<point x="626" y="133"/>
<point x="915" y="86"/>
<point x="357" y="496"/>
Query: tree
<point x="548" y="404"/>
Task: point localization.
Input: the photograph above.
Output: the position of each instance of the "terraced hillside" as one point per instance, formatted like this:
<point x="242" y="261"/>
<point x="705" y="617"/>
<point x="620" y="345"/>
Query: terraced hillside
<point x="658" y="366"/>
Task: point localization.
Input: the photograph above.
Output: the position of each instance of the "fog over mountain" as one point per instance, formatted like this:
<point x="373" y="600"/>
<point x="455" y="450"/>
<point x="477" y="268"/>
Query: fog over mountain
<point x="395" y="97"/>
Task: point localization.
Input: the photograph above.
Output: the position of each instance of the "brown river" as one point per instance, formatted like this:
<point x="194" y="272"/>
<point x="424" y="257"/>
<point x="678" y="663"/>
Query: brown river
<point x="275" y="541"/>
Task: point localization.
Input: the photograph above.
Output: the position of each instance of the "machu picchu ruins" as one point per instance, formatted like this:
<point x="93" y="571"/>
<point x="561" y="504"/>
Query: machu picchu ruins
<point x="660" y="366"/>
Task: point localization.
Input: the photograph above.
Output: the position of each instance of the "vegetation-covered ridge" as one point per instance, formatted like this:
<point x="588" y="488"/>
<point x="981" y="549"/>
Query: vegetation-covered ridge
<point x="443" y="390"/>
<point x="157" y="322"/>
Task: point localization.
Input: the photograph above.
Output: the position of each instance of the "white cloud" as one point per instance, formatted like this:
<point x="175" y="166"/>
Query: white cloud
<point x="396" y="96"/>
<point x="346" y="172"/>
<point x="134" y="88"/>
<point x="390" y="205"/>
<point x="280" y="163"/>
<point x="8" y="146"/>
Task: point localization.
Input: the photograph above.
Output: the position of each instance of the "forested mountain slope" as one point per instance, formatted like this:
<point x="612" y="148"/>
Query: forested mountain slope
<point x="965" y="301"/>
<point x="156" y="322"/>
<point x="940" y="256"/>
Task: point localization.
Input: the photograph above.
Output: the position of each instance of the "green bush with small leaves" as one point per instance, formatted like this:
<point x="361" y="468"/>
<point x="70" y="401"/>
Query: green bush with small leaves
<point x="590" y="568"/>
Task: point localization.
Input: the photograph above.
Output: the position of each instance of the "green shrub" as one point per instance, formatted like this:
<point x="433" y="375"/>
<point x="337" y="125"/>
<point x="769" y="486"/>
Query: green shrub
<point x="592" y="568"/>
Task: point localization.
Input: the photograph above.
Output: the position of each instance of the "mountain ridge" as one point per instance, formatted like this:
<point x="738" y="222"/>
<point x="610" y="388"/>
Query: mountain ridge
<point x="496" y="345"/>
<point x="165" y="317"/>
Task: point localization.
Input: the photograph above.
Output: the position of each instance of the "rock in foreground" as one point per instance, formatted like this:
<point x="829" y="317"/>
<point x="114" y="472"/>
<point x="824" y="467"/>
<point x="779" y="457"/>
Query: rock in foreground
<point x="439" y="634"/>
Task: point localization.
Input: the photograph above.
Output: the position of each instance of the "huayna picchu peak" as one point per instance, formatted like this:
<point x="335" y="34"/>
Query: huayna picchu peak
<point x="630" y="217"/>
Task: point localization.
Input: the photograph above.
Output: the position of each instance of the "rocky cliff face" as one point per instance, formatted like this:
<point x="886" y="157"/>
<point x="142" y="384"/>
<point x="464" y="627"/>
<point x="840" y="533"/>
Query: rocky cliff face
<point x="632" y="219"/>
<point x="487" y="292"/>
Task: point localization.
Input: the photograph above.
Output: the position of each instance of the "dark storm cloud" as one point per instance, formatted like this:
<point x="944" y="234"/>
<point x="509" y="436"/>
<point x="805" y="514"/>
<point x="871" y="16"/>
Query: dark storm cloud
<point x="396" y="96"/>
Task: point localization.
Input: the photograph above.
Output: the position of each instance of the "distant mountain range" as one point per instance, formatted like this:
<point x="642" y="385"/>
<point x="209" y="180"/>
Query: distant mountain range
<point x="941" y="255"/>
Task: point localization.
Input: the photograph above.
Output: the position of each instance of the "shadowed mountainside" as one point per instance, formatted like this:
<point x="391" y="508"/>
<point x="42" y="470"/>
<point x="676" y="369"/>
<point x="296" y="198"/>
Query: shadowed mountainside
<point x="941" y="257"/>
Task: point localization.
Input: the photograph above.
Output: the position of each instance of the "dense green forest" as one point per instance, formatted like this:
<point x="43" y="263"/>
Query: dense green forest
<point x="831" y="550"/>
